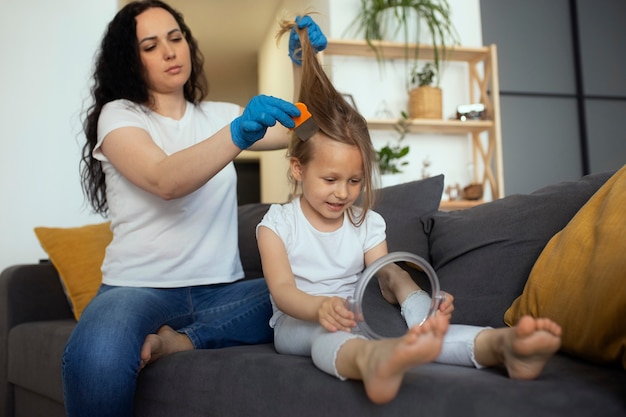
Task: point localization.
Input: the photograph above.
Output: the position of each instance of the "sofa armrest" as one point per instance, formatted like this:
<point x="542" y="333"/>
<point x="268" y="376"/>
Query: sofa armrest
<point x="30" y="292"/>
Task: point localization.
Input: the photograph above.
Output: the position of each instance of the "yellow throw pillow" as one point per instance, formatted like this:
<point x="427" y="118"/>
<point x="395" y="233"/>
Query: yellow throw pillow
<point x="579" y="280"/>
<point x="77" y="254"/>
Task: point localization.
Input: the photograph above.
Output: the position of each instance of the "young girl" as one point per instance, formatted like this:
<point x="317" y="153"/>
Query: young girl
<point x="314" y="248"/>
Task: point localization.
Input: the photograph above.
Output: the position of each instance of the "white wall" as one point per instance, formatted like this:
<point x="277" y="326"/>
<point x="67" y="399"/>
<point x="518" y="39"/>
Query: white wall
<point x="47" y="47"/>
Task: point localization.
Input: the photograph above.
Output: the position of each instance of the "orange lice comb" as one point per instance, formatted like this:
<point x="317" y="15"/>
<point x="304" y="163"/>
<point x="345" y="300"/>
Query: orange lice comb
<point x="305" y="125"/>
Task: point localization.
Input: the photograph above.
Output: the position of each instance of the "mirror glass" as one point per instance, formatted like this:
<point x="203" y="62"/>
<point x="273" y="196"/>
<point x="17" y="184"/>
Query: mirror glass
<point x="378" y="318"/>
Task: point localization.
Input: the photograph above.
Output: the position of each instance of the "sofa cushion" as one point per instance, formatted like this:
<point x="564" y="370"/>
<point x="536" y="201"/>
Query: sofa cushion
<point x="403" y="207"/>
<point x="34" y="356"/>
<point x="483" y="255"/>
<point x="579" y="279"/>
<point x="77" y="254"/>
<point x="249" y="217"/>
<point x="255" y="381"/>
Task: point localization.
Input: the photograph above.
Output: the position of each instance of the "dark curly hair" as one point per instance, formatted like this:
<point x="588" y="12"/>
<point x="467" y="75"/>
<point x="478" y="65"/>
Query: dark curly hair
<point x="119" y="74"/>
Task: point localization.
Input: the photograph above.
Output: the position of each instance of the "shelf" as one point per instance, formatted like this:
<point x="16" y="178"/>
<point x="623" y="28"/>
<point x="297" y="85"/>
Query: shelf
<point x="450" y="205"/>
<point x="439" y="126"/>
<point x="394" y="50"/>
<point x="484" y="88"/>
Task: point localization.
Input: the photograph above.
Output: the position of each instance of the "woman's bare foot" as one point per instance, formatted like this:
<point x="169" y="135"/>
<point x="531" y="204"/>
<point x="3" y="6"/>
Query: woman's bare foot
<point x="382" y="364"/>
<point x="524" y="349"/>
<point x="164" y="342"/>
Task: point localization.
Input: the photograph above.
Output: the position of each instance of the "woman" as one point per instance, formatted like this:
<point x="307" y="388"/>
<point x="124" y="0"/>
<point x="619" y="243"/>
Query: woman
<point x="158" y="161"/>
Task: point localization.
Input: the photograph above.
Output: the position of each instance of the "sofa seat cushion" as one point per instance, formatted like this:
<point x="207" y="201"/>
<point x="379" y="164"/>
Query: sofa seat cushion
<point x="256" y="381"/>
<point x="483" y="255"/>
<point x="35" y="350"/>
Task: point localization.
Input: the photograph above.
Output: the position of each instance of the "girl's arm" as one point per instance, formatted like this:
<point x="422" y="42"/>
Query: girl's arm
<point x="330" y="312"/>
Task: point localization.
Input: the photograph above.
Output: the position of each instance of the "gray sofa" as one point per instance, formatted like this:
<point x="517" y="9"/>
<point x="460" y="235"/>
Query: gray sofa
<point x="483" y="256"/>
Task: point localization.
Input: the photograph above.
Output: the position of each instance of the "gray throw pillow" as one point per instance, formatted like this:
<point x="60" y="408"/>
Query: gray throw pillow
<point x="403" y="207"/>
<point x="483" y="256"/>
<point x="249" y="216"/>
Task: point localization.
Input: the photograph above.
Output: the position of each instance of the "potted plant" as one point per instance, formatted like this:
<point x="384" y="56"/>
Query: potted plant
<point x="425" y="98"/>
<point x="390" y="156"/>
<point x="382" y="19"/>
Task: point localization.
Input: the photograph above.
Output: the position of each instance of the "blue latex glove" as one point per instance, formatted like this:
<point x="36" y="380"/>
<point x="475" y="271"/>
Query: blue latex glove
<point x="260" y="113"/>
<point x="317" y="38"/>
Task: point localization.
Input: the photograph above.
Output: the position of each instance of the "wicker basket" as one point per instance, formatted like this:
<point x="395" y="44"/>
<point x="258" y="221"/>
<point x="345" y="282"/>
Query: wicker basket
<point x="473" y="191"/>
<point x="425" y="103"/>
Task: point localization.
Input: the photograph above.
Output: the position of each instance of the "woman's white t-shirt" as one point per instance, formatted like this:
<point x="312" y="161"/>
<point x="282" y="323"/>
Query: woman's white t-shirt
<point x="187" y="241"/>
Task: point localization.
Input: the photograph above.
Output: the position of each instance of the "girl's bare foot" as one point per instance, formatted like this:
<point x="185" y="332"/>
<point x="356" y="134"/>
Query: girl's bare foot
<point x="383" y="363"/>
<point x="532" y="343"/>
<point x="395" y="284"/>
<point x="164" y="342"/>
<point x="523" y="350"/>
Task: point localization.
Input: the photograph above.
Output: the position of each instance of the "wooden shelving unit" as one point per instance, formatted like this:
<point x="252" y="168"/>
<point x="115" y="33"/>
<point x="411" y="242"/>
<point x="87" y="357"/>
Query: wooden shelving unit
<point x="484" y="88"/>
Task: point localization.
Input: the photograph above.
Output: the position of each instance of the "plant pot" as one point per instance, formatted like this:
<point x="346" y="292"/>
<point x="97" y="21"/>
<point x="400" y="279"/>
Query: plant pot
<point x="425" y="103"/>
<point x="473" y="191"/>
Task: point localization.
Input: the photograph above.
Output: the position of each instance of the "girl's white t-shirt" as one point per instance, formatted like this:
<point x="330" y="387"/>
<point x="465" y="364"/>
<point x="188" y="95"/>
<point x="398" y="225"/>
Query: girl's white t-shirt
<point x="187" y="241"/>
<point x="323" y="263"/>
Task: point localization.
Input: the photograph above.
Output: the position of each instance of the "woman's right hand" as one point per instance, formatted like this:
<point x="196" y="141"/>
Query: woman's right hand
<point x="261" y="112"/>
<point x="334" y="315"/>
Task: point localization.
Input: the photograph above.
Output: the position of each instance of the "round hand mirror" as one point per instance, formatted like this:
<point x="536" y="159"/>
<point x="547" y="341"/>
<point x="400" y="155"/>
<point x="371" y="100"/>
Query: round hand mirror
<point x="376" y="317"/>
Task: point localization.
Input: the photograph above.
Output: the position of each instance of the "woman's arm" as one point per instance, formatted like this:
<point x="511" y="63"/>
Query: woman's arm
<point x="330" y="312"/>
<point x="133" y="153"/>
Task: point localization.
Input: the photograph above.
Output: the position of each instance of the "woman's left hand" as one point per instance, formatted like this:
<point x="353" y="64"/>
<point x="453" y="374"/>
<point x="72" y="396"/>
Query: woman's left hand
<point x="317" y="38"/>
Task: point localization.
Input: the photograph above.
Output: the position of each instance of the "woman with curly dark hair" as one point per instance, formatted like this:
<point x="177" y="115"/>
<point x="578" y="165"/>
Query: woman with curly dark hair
<point x="158" y="162"/>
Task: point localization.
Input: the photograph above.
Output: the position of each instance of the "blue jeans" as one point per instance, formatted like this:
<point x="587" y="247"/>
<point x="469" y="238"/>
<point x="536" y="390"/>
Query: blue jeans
<point x="101" y="359"/>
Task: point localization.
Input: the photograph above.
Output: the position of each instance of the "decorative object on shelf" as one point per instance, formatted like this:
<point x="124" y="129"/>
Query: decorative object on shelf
<point x="425" y="164"/>
<point x="471" y="112"/>
<point x="472" y="192"/>
<point x="389" y="157"/>
<point x="453" y="192"/>
<point x="381" y="20"/>
<point x="425" y="99"/>
<point x="383" y="111"/>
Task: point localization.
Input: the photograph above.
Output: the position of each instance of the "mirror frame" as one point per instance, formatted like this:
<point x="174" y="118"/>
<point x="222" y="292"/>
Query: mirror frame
<point x="355" y="302"/>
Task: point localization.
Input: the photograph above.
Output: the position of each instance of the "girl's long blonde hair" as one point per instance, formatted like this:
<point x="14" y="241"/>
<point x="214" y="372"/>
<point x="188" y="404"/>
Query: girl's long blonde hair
<point x="335" y="117"/>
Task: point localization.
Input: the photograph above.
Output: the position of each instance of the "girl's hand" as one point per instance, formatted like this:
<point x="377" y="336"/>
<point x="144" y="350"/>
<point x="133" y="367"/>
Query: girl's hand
<point x="446" y="307"/>
<point x="333" y="315"/>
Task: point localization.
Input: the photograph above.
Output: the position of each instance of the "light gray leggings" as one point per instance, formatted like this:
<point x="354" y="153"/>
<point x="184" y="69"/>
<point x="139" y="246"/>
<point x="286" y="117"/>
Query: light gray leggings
<point x="298" y="337"/>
